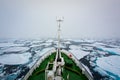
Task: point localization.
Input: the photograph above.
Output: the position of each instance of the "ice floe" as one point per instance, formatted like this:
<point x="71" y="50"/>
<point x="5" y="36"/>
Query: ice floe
<point x="40" y="53"/>
<point x="110" y="64"/>
<point x="13" y="59"/>
<point x="9" y="44"/>
<point x="16" y="49"/>
<point x="77" y="52"/>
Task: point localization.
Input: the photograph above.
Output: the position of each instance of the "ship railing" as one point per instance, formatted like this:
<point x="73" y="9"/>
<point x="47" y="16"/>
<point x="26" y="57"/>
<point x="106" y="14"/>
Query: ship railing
<point x="38" y="62"/>
<point x="80" y="65"/>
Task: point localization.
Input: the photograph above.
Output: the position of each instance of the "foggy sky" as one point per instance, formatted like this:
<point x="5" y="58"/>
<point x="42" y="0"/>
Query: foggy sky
<point x="82" y="18"/>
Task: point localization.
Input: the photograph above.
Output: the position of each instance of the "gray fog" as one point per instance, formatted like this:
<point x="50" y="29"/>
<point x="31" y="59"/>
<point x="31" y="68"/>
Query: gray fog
<point x="37" y="18"/>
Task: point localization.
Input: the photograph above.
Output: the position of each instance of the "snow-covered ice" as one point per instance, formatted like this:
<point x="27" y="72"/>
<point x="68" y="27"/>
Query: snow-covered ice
<point x="111" y="49"/>
<point x="100" y="71"/>
<point x="16" y="49"/>
<point x="40" y="53"/>
<point x="13" y="59"/>
<point x="9" y="44"/>
<point x="110" y="64"/>
<point x="77" y="52"/>
<point x="49" y="41"/>
<point x="46" y="44"/>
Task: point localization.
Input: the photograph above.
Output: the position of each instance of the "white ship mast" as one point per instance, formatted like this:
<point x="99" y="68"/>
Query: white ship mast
<point x="59" y="20"/>
<point x="55" y="72"/>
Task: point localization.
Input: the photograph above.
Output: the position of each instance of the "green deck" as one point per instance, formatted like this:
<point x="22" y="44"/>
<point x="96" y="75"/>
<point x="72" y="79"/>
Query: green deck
<point x="39" y="73"/>
<point x="70" y="69"/>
